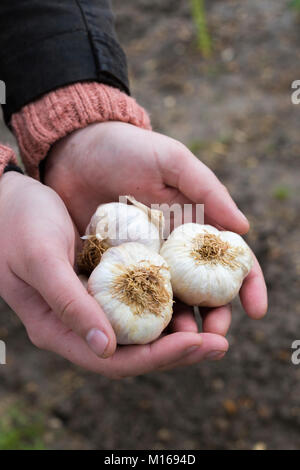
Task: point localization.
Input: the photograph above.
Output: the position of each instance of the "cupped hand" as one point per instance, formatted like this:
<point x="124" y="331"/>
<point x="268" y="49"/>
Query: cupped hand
<point x="38" y="243"/>
<point x="97" y="164"/>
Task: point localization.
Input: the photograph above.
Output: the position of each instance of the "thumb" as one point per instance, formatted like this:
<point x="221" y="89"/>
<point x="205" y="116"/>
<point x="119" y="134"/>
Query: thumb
<point x="199" y="184"/>
<point x="57" y="283"/>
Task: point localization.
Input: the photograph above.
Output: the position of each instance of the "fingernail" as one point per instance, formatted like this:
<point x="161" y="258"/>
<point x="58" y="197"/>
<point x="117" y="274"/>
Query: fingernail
<point x="214" y="355"/>
<point x="97" y="341"/>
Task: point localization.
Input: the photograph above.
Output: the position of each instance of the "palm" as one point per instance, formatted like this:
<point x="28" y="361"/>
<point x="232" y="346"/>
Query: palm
<point x="93" y="166"/>
<point x="103" y="161"/>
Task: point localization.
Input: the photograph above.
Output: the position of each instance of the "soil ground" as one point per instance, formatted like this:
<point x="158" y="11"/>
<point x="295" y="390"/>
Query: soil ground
<point x="234" y="111"/>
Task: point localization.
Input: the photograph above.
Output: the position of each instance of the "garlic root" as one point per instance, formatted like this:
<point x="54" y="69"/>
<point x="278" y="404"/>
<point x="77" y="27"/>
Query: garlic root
<point x="91" y="254"/>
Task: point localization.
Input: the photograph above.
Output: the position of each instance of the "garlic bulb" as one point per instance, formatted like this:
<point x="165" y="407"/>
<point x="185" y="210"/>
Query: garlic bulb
<point x="115" y="223"/>
<point x="207" y="266"/>
<point x="132" y="284"/>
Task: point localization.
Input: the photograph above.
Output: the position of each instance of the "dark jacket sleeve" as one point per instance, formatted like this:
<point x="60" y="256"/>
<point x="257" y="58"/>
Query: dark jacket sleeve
<point x="46" y="44"/>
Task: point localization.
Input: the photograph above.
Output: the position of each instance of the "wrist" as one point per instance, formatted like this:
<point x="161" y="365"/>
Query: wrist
<point x="62" y="168"/>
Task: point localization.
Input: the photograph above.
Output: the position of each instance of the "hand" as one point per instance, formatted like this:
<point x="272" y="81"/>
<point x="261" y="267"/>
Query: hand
<point x="38" y="281"/>
<point x="38" y="242"/>
<point x="103" y="161"/>
<point x="97" y="164"/>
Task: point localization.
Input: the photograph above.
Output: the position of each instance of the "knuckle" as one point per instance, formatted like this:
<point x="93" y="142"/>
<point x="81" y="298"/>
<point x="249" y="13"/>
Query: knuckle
<point x="66" y="309"/>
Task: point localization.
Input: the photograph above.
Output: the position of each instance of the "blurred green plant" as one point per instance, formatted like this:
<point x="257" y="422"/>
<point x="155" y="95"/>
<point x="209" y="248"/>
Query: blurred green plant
<point x="196" y="146"/>
<point x="282" y="192"/>
<point x="295" y="4"/>
<point x="20" y="430"/>
<point x="218" y="146"/>
<point x="204" y="41"/>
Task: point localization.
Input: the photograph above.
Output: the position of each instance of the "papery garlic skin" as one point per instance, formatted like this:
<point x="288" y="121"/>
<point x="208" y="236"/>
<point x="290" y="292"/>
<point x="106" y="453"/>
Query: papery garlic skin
<point x="205" y="282"/>
<point x="117" y="223"/>
<point x="130" y="327"/>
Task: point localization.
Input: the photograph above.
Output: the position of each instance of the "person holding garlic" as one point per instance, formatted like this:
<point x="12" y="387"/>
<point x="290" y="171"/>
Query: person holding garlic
<point x="85" y="142"/>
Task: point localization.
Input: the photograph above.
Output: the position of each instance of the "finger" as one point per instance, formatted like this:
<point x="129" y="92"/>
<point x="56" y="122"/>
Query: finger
<point x="216" y="320"/>
<point x="44" y="328"/>
<point x="48" y="332"/>
<point x="198" y="183"/>
<point x="183" y="319"/>
<point x="209" y="221"/>
<point x="56" y="281"/>
<point x="128" y="361"/>
<point x="35" y="314"/>
<point x="253" y="293"/>
<point x="213" y="348"/>
<point x="170" y="351"/>
<point x="135" y="360"/>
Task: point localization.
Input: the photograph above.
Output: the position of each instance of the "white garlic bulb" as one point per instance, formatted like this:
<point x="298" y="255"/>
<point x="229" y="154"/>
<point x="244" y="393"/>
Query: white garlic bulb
<point x="207" y="266"/>
<point x="117" y="223"/>
<point x="132" y="284"/>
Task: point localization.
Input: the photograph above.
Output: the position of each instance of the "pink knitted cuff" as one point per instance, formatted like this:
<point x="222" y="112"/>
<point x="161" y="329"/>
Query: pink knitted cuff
<point x="42" y="123"/>
<point x="7" y="155"/>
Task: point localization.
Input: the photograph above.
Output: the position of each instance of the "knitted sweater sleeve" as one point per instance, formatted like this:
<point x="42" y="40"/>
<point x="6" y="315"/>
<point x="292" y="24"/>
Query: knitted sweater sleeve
<point x="38" y="125"/>
<point x="7" y="157"/>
